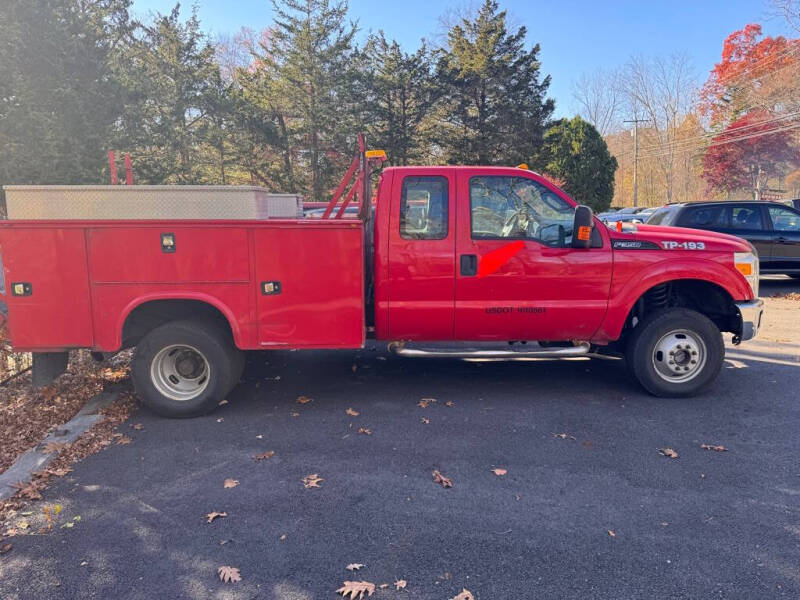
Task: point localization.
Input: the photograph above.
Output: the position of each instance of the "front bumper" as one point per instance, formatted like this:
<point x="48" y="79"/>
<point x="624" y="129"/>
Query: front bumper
<point x="750" y="313"/>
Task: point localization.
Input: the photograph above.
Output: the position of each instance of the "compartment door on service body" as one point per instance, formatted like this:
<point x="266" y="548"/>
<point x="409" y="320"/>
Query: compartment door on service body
<point x="517" y="278"/>
<point x="422" y="254"/>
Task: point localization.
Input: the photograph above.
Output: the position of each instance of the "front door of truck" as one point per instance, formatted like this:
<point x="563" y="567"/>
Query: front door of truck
<point x="421" y="254"/>
<point x="517" y="276"/>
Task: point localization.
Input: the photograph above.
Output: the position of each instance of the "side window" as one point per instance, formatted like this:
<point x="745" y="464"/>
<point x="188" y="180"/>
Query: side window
<point x="424" y="208"/>
<point x="505" y="207"/>
<point x="784" y="219"/>
<point x="705" y="216"/>
<point x="746" y="217"/>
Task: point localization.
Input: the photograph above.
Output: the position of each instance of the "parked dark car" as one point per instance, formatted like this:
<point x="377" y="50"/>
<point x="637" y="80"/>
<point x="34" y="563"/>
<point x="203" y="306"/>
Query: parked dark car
<point x="773" y="228"/>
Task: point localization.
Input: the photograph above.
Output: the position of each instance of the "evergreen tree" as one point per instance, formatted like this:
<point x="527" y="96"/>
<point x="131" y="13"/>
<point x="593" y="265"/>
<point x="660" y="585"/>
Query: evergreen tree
<point x="173" y="89"/>
<point x="397" y="94"/>
<point x="58" y="95"/>
<point x="574" y="152"/>
<point x="308" y="79"/>
<point x="494" y="108"/>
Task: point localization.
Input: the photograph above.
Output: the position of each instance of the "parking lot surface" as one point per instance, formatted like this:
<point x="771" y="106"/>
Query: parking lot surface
<point x="588" y="507"/>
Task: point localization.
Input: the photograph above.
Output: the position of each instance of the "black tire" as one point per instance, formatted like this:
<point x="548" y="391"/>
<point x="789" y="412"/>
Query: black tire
<point x="206" y="354"/>
<point x="691" y="336"/>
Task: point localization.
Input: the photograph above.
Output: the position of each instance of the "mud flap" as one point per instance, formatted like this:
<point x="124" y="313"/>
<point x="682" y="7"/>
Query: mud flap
<point x="47" y="366"/>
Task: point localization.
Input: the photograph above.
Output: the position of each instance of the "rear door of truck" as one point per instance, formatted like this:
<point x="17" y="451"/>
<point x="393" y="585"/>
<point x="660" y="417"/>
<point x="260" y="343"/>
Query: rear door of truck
<point x="422" y="238"/>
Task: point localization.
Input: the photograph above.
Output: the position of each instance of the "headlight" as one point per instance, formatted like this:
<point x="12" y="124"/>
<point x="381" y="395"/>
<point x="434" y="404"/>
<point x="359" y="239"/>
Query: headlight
<point x="747" y="264"/>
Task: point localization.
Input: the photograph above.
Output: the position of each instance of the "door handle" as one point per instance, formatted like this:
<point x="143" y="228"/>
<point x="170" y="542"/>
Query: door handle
<point x="469" y="264"/>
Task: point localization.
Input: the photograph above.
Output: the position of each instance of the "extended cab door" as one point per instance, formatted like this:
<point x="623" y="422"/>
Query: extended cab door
<point x="421" y="250"/>
<point x="518" y="278"/>
<point x="785" y="223"/>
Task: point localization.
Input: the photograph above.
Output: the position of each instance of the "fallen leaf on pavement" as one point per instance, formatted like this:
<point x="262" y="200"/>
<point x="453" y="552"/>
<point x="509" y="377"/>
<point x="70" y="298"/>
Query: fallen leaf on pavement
<point x="23" y="525"/>
<point x="425" y="402"/>
<point x="283" y="537"/>
<point x="220" y="420"/>
<point x="400" y="584"/>
<point x="611" y="533"/>
<point x="563" y="436"/>
<point x="668" y="452"/>
<point x="383" y="586"/>
<point x="58" y="472"/>
<point x="499" y="472"/>
<point x="365" y="431"/>
<point x="230" y="483"/>
<point x="441" y="479"/>
<point x="265" y="455"/>
<point x="54" y="446"/>
<point x="259" y="437"/>
<point x="213" y="515"/>
<point x="425" y="420"/>
<point x="715" y="448"/>
<point x="137" y="426"/>
<point x="356" y="589"/>
<point x="303" y="400"/>
<point x="464" y="595"/>
<point x="294" y="414"/>
<point x="229" y="574"/>
<point x="354" y="566"/>
<point x="222" y="402"/>
<point x="5" y="549"/>
<point x="312" y="481"/>
<point x="123" y="440"/>
<point x="351" y="412"/>
<point x="449" y="403"/>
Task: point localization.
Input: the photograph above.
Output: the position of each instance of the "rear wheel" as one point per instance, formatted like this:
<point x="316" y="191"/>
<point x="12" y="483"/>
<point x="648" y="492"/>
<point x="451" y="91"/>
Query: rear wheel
<point x="184" y="368"/>
<point x="677" y="352"/>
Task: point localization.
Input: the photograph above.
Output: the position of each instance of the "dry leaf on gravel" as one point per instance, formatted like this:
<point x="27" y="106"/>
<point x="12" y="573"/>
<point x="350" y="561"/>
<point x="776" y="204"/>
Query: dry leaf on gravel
<point x="499" y="472"/>
<point x="6" y="549"/>
<point x="229" y="574"/>
<point x="464" y="595"/>
<point x="611" y="533"/>
<point x="312" y="481"/>
<point x="303" y="400"/>
<point x="400" y="584"/>
<point x="230" y="483"/>
<point x="354" y="566"/>
<point x="365" y="431"/>
<point x="668" y="452"/>
<point x="264" y="455"/>
<point x="714" y="448"/>
<point x="441" y="479"/>
<point x="214" y="515"/>
<point x="356" y="589"/>
<point x="351" y="412"/>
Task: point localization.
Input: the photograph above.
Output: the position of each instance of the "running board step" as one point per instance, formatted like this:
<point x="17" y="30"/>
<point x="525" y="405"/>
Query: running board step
<point x="579" y="349"/>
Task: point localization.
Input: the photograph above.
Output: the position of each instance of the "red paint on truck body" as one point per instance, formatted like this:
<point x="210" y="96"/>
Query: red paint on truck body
<point x="88" y="276"/>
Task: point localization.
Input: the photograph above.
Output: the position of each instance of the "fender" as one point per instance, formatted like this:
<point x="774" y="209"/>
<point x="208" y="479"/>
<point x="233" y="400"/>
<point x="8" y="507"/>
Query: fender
<point x="622" y="300"/>
<point x="200" y="296"/>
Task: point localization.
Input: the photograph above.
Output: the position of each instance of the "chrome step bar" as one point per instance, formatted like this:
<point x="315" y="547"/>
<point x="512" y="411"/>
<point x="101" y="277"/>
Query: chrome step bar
<point x="579" y="349"/>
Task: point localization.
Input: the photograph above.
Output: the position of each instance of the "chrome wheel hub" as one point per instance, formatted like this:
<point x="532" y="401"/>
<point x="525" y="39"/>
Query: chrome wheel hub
<point x="679" y="356"/>
<point x="180" y="372"/>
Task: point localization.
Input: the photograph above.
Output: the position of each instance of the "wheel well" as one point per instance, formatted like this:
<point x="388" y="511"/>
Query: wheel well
<point x="149" y="315"/>
<point x="704" y="297"/>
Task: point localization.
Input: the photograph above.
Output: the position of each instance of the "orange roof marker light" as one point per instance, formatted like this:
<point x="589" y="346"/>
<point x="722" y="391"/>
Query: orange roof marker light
<point x="379" y="154"/>
<point x="524" y="166"/>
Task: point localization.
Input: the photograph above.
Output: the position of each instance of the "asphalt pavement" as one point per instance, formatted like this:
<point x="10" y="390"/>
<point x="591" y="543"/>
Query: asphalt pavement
<point x="596" y="513"/>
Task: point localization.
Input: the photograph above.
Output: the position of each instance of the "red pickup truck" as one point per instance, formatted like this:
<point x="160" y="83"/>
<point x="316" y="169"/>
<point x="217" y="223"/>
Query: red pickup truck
<point x="468" y="256"/>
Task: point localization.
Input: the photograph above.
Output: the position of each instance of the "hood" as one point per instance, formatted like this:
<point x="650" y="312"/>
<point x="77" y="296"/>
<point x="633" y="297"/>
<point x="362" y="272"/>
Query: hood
<point x="681" y="238"/>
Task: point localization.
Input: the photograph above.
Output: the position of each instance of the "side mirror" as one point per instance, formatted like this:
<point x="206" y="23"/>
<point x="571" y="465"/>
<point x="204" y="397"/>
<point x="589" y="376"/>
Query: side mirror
<point x="582" y="227"/>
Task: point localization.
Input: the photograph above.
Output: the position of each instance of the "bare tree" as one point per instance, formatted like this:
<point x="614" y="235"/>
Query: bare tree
<point x="661" y="90"/>
<point x="599" y="98"/>
<point x="789" y="10"/>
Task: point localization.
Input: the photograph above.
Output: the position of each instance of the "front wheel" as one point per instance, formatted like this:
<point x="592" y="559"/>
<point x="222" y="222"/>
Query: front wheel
<point x="677" y="352"/>
<point x="184" y="368"/>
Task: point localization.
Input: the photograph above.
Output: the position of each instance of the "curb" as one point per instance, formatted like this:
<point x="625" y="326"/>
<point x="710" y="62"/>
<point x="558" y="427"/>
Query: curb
<point x="37" y="459"/>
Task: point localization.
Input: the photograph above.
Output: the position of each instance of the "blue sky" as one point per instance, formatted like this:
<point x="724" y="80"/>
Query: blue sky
<point x="575" y="35"/>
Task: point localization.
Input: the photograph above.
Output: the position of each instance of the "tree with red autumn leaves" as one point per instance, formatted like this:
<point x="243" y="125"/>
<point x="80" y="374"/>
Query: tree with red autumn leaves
<point x="749" y="150"/>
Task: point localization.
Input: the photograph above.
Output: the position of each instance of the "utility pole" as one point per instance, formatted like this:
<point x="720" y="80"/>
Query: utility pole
<point x="636" y="157"/>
